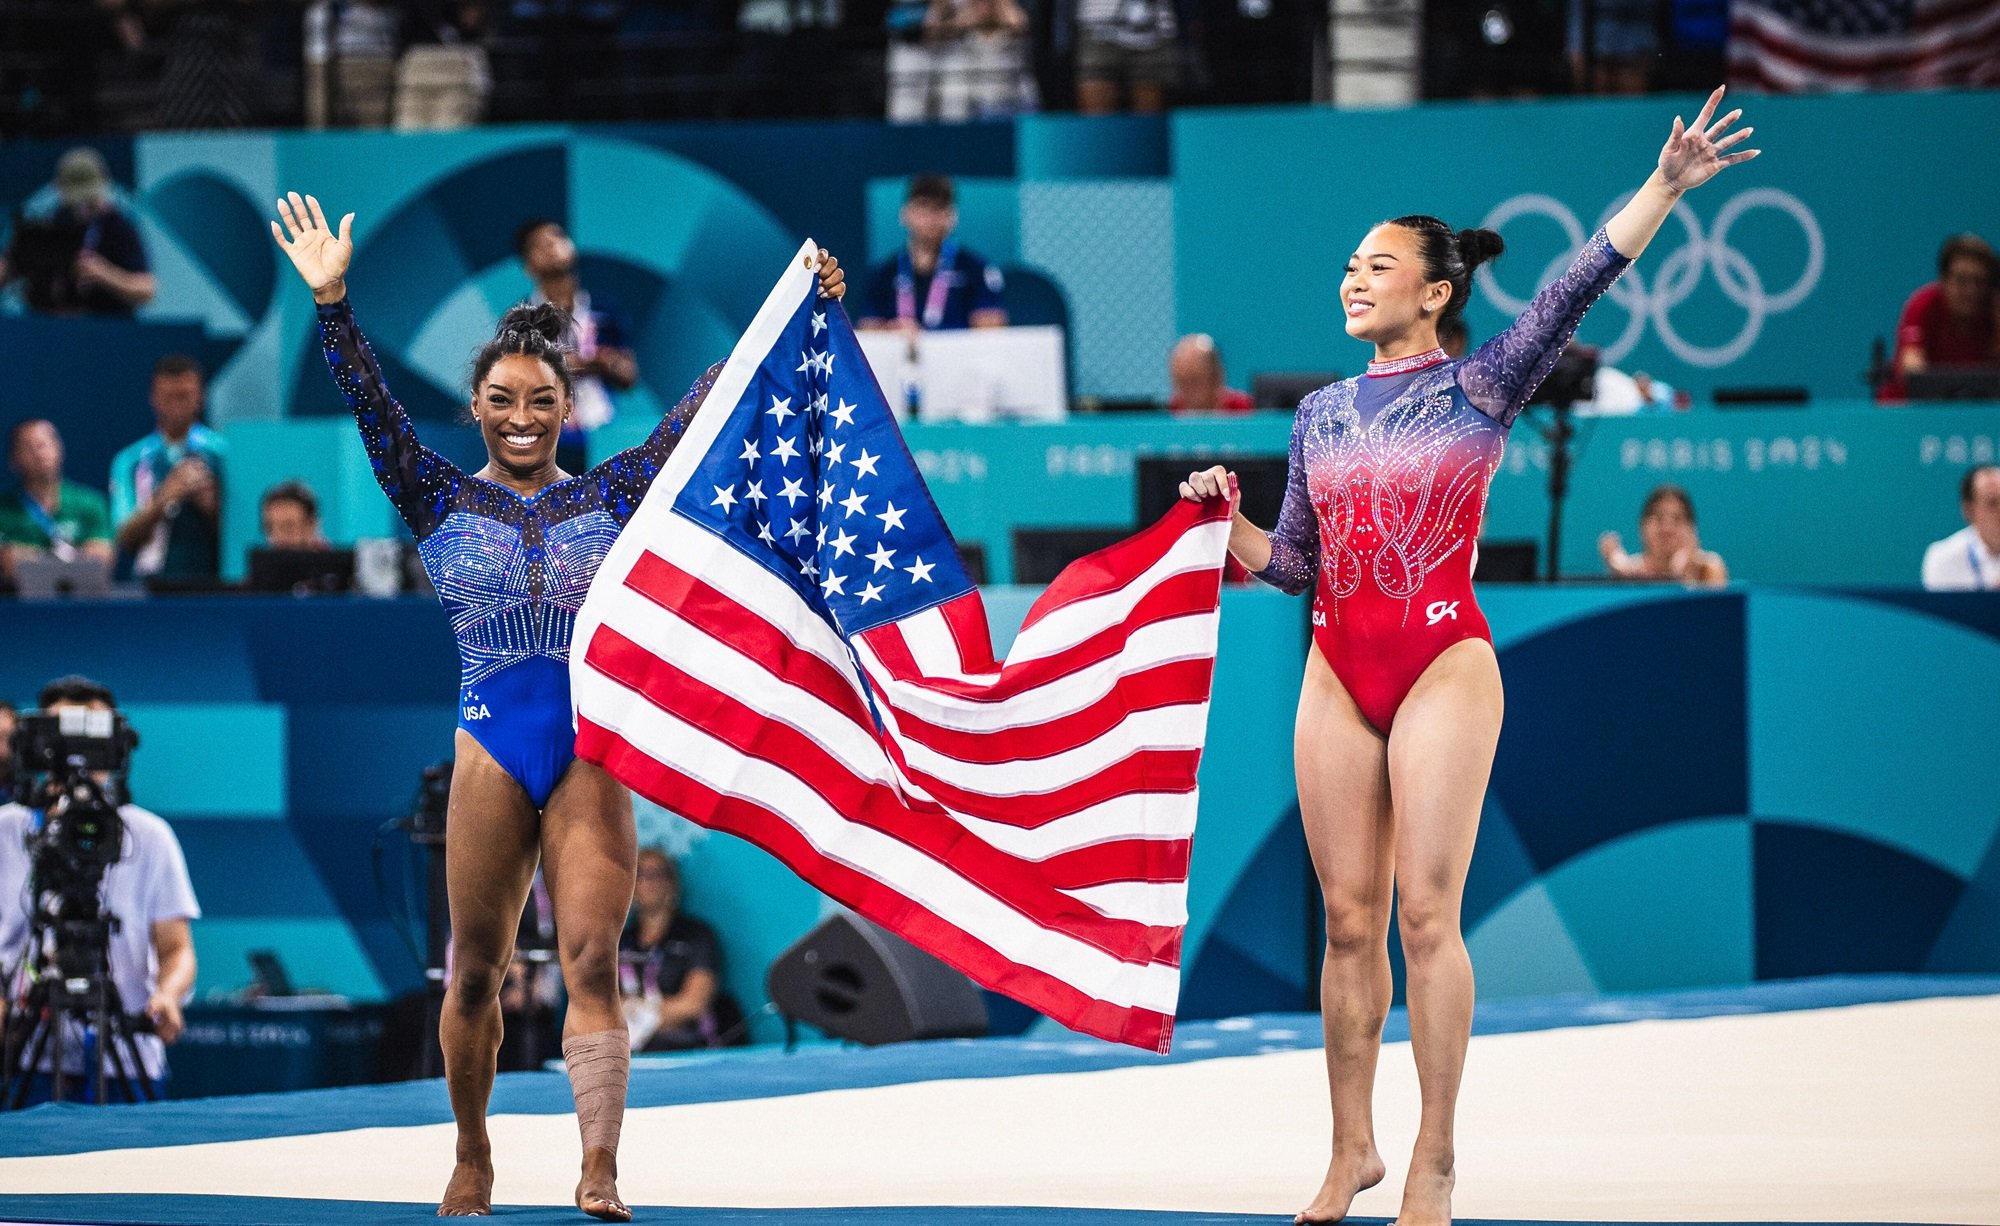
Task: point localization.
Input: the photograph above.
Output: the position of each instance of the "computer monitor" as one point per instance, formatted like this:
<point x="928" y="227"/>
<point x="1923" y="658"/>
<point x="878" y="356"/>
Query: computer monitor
<point x="1284" y="389"/>
<point x="302" y="572"/>
<point x="1505" y="562"/>
<point x="1954" y="383"/>
<point x="47" y="578"/>
<point x="1260" y="477"/>
<point x="1041" y="553"/>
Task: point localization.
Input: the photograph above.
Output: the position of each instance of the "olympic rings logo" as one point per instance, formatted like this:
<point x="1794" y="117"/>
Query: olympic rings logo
<point x="1676" y="277"/>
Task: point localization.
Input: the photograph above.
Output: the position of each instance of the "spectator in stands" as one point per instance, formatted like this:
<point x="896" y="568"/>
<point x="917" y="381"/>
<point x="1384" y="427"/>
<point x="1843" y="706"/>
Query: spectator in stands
<point x="46" y="516"/>
<point x="1969" y="559"/>
<point x="86" y="258"/>
<point x="289" y="515"/>
<point x="7" y="724"/>
<point x="957" y="59"/>
<point x="1194" y="366"/>
<point x="1953" y="321"/>
<point x="934" y="282"/>
<point x="1127" y="55"/>
<point x="669" y="965"/>
<point x="166" y="489"/>
<point x="147" y="889"/>
<point x="444" y="80"/>
<point x="601" y="357"/>
<point x="350" y="62"/>
<point x="1672" y="551"/>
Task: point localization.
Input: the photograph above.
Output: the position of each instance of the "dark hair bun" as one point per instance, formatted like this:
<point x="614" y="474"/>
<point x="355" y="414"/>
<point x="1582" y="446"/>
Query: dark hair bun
<point x="544" y="319"/>
<point x="1476" y="247"/>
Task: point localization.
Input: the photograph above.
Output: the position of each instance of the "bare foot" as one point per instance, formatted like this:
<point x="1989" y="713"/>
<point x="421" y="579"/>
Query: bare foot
<point x="1427" y="1194"/>
<point x="1349" y="1174"/>
<point x="470" y="1192"/>
<point x="597" y="1191"/>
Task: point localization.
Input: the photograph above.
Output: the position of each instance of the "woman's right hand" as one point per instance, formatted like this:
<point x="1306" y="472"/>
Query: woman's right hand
<point x="315" y="250"/>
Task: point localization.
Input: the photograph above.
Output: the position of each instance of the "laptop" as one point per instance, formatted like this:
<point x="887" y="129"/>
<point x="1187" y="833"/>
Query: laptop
<point x="1954" y="383"/>
<point x="47" y="578"/>
<point x="302" y="572"/>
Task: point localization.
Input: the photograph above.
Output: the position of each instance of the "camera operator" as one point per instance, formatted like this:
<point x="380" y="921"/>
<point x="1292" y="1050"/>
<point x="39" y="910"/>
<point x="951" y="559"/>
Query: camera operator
<point x="151" y="951"/>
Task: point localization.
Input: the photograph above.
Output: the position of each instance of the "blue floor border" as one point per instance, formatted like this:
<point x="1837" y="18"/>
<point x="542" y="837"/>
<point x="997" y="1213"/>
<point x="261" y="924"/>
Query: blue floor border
<point x="69" y="1129"/>
<point x="126" y="1210"/>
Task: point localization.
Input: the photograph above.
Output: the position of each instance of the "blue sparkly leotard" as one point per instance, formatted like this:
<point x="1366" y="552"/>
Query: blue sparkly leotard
<point x="1388" y="482"/>
<point x="510" y="571"/>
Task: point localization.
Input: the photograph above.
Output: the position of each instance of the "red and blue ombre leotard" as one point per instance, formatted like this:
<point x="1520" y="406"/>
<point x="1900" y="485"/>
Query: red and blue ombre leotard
<point x="511" y="571"/>
<point x="1388" y="482"/>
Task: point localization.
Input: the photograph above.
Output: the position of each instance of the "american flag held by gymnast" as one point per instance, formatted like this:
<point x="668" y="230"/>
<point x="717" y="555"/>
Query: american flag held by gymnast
<point x="783" y="645"/>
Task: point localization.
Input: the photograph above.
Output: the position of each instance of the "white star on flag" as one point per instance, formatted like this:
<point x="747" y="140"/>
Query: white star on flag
<point x="870" y="592"/>
<point x="831" y="585"/>
<point x="843" y="543"/>
<point x="855" y="502"/>
<point x="798" y="531"/>
<point x="781" y="409"/>
<point x="845" y="413"/>
<point x="819" y="322"/>
<point x="793" y="491"/>
<point x="755" y="492"/>
<point x="882" y="557"/>
<point x="920" y="571"/>
<point x="892" y="518"/>
<point x="864" y="465"/>
<point x="750" y="451"/>
<point x="725" y="497"/>
<point x="785" y="452"/>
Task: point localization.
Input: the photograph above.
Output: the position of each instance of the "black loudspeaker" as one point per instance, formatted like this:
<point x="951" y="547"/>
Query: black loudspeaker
<point x="857" y="981"/>
<point x="1041" y="553"/>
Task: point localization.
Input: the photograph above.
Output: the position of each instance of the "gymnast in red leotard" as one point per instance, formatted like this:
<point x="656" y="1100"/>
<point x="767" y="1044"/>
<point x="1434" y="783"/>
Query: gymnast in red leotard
<point x="1400" y="710"/>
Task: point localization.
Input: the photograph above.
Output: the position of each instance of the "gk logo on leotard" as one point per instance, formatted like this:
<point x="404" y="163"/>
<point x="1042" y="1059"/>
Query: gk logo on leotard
<point x="1674" y="279"/>
<point x="1439" y="610"/>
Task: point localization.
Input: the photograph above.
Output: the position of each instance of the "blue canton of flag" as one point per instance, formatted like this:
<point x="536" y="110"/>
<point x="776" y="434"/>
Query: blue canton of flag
<point x="810" y="477"/>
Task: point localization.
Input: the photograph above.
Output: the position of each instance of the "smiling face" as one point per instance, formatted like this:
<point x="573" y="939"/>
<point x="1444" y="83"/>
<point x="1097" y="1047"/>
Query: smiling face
<point x="1384" y="296"/>
<point x="521" y="408"/>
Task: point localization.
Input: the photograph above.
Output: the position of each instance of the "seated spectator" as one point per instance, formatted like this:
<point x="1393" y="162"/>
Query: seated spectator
<point x="1953" y="321"/>
<point x="670" y="967"/>
<point x="1969" y="559"/>
<point x="350" y="62"/>
<point x="601" y="358"/>
<point x="86" y="258"/>
<point x="444" y="81"/>
<point x="289" y="514"/>
<point x="166" y="489"/>
<point x="1127" y="55"/>
<point x="1195" y="369"/>
<point x="934" y="282"/>
<point x="147" y="889"/>
<point x="955" y="60"/>
<point x="1672" y="551"/>
<point x="47" y="516"/>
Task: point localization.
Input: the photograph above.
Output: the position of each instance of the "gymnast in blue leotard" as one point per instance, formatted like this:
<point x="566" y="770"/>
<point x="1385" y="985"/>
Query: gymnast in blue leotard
<point x="512" y="550"/>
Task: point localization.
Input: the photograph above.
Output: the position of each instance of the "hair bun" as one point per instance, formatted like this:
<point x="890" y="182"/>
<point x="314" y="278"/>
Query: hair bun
<point x="543" y="319"/>
<point x="1476" y="247"/>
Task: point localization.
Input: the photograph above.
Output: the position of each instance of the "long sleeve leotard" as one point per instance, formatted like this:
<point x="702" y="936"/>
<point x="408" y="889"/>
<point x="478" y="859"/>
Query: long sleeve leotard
<point x="1387" y="485"/>
<point x="511" y="571"/>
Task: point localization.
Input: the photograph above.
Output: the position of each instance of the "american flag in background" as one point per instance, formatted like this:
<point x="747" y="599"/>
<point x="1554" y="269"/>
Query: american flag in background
<point x="783" y="645"/>
<point x="1803" y="46"/>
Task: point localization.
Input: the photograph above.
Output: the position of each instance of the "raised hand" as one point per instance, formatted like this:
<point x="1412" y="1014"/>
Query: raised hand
<point x="315" y="250"/>
<point x="1695" y="154"/>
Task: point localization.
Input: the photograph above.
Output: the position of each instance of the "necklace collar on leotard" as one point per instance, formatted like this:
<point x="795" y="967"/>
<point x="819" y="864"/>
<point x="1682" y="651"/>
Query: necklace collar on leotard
<point x="1403" y="366"/>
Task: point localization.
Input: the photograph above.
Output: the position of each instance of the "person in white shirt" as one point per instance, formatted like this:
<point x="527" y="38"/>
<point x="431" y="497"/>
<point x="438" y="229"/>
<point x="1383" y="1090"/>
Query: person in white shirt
<point x="147" y="889"/>
<point x="1969" y="559"/>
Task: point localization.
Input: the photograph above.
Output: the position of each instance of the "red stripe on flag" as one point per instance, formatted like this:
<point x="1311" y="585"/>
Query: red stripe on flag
<point x="881" y="903"/>
<point x="1162" y="685"/>
<point x="1012" y="880"/>
<point x="1192" y="594"/>
<point x="1114" y="566"/>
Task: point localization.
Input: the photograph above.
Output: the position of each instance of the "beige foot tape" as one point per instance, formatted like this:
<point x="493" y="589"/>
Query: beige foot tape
<point x="599" y="1065"/>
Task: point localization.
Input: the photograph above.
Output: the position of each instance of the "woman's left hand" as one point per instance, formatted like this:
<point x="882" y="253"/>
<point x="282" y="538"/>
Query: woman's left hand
<point x="832" y="281"/>
<point x="1694" y="155"/>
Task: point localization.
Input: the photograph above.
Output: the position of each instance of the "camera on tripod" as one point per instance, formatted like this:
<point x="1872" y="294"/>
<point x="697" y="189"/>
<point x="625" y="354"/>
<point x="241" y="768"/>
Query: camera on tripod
<point x="70" y="766"/>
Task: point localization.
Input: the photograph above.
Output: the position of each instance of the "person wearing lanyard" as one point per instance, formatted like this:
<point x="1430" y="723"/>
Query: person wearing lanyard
<point x="935" y="282"/>
<point x="1969" y="559"/>
<point x="47" y="514"/>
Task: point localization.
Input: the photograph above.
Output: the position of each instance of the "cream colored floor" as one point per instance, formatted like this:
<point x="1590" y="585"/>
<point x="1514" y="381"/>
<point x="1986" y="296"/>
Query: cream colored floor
<point x="1872" y="1113"/>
